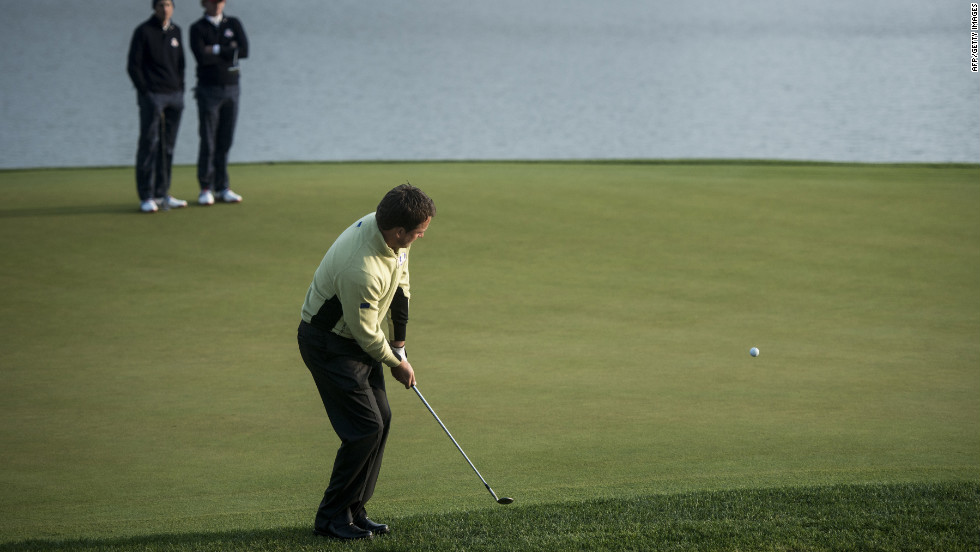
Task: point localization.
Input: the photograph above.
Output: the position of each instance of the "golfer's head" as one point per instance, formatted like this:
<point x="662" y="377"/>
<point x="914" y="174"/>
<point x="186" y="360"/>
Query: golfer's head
<point x="405" y="207"/>
<point x="213" y="7"/>
<point x="163" y="8"/>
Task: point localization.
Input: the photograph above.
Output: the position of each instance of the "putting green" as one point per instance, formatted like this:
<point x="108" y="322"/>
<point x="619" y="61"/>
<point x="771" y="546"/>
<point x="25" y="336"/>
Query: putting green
<point x="582" y="329"/>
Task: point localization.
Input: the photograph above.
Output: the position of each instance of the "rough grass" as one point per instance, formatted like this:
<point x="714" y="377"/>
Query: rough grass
<point x="901" y="518"/>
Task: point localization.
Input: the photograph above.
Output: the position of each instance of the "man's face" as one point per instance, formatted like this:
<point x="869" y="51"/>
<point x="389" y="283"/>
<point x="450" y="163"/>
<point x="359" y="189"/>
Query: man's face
<point x="164" y="10"/>
<point x="405" y="239"/>
<point x="213" y="7"/>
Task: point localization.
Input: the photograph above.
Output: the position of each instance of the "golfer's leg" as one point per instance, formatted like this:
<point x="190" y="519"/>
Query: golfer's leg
<point x="227" y="118"/>
<point x="343" y="383"/>
<point x="172" y="113"/>
<point x="373" y="467"/>
<point x="207" y="128"/>
<point x="358" y="423"/>
<point x="148" y="152"/>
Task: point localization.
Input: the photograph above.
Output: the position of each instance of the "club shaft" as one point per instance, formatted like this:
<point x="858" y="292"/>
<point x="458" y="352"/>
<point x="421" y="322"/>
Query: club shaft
<point x="459" y="448"/>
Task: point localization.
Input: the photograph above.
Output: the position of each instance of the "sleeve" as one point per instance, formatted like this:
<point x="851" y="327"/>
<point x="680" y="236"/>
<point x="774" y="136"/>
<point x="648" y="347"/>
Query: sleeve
<point x="181" y="62"/>
<point x="197" y="43"/>
<point x="399" y="316"/>
<point x="241" y="38"/>
<point x="203" y="54"/>
<point x="399" y="307"/>
<point x="360" y="294"/>
<point x="134" y="65"/>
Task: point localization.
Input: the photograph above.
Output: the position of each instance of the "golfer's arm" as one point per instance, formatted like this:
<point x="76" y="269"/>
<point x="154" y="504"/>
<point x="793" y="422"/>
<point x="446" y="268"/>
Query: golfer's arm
<point x="241" y="38"/>
<point x="399" y="309"/>
<point x="360" y="304"/>
<point x="399" y="318"/>
<point x="134" y="65"/>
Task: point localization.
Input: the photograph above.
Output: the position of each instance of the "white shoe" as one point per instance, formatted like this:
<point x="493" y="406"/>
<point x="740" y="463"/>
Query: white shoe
<point x="229" y="196"/>
<point x="206" y="198"/>
<point x="171" y="202"/>
<point x="148" y="206"/>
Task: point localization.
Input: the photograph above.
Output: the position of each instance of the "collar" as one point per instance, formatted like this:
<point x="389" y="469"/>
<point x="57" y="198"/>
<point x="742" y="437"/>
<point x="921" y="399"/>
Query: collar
<point x="377" y="238"/>
<point x="216" y="21"/>
<point x="159" y="22"/>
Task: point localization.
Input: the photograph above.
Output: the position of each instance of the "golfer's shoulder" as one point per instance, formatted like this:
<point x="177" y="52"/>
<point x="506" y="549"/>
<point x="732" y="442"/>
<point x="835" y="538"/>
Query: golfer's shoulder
<point x="145" y="28"/>
<point x="357" y="281"/>
<point x="357" y="261"/>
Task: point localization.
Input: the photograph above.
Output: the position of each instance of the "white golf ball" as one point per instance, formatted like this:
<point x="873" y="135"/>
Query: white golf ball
<point x="754" y="351"/>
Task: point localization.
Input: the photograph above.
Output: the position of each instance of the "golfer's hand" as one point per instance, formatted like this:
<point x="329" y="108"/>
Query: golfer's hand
<point x="404" y="374"/>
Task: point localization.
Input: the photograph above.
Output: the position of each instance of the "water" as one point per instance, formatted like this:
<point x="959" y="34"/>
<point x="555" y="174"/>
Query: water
<point x="838" y="80"/>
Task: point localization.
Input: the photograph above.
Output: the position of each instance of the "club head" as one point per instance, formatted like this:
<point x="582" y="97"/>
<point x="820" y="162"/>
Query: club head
<point x="505" y="500"/>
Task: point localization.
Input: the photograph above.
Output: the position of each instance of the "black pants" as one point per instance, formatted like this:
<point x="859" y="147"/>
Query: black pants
<point x="217" y="112"/>
<point x="159" y="121"/>
<point x="352" y="387"/>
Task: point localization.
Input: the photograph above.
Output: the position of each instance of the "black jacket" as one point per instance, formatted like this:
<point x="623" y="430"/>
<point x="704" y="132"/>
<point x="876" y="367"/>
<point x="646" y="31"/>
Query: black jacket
<point x="213" y="69"/>
<point x="156" y="58"/>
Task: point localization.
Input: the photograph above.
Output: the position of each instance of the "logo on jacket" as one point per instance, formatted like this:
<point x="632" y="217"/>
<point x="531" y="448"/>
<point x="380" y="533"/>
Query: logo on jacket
<point x="229" y="33"/>
<point x="402" y="258"/>
<point x="174" y="43"/>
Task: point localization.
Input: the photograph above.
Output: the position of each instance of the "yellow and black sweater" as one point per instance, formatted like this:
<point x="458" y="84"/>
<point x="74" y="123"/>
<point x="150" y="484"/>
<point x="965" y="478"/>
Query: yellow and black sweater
<point x="361" y="290"/>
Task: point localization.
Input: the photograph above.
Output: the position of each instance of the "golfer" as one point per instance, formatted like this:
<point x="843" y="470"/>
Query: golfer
<point x="218" y="42"/>
<point x="354" y="324"/>
<point x="156" y="66"/>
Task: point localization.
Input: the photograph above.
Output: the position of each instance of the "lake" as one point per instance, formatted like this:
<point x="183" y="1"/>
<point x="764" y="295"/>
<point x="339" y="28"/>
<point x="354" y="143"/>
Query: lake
<point x="838" y="80"/>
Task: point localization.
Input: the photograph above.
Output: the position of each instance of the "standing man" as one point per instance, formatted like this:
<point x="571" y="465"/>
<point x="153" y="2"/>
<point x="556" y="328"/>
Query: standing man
<point x="218" y="42"/>
<point x="354" y="324"/>
<point x="156" y="67"/>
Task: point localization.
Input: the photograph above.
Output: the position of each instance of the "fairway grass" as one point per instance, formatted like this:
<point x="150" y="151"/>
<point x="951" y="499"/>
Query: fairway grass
<point x="581" y="328"/>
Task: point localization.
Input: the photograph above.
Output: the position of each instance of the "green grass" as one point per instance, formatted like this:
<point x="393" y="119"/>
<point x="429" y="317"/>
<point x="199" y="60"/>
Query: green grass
<point x="859" y="517"/>
<point x="583" y="330"/>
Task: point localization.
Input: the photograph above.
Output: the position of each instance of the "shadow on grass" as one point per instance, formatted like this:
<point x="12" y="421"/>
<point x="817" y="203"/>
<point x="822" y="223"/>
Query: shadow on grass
<point x="287" y="538"/>
<point x="71" y="210"/>
<point x="899" y="517"/>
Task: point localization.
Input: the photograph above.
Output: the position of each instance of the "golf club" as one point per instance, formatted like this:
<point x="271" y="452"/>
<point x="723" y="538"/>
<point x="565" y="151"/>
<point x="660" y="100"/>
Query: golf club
<point x="502" y="500"/>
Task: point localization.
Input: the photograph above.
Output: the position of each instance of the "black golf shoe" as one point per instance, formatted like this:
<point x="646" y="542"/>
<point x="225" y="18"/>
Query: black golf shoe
<point x="368" y="525"/>
<point x="344" y="532"/>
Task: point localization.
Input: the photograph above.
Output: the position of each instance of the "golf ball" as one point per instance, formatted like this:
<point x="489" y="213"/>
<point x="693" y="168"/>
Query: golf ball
<point x="754" y="351"/>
